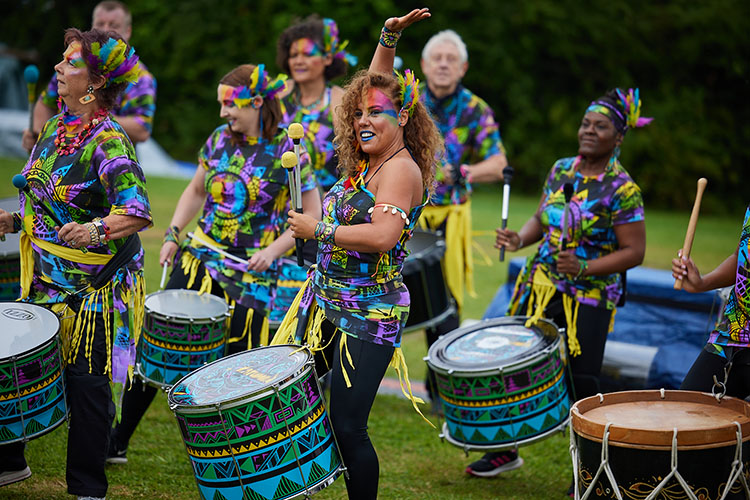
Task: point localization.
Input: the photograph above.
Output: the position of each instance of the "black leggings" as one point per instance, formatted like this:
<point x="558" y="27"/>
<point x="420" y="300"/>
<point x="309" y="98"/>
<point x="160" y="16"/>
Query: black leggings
<point x="350" y="409"/>
<point x="137" y="400"/>
<point x="706" y="365"/>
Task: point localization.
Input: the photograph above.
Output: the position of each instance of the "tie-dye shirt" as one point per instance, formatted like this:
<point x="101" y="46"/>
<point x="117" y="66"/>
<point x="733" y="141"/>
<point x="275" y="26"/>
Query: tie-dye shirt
<point x="137" y="100"/>
<point x="471" y="135"/>
<point x="318" y="124"/>
<point x="599" y="203"/>
<point x="733" y="329"/>
<point x="246" y="209"/>
<point x="363" y="294"/>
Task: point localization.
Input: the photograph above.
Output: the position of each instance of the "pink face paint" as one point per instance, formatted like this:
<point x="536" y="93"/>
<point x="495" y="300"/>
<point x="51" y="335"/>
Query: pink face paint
<point x="305" y="47"/>
<point x="378" y="104"/>
<point x="74" y="55"/>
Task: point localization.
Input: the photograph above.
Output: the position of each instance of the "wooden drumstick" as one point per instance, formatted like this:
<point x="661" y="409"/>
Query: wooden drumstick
<point x="687" y="246"/>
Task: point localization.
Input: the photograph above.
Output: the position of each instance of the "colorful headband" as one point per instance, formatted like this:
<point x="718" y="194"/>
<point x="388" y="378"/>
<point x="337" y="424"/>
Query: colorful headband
<point x="409" y="90"/>
<point x="331" y="43"/>
<point x="632" y="105"/>
<point x="114" y="62"/>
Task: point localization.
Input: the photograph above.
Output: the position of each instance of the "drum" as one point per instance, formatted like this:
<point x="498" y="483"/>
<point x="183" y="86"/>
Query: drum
<point x="660" y="444"/>
<point x="32" y="385"/>
<point x="501" y="385"/>
<point x="423" y="276"/>
<point x="10" y="258"/>
<point x="182" y="331"/>
<point x="255" y="426"/>
<point x="291" y="278"/>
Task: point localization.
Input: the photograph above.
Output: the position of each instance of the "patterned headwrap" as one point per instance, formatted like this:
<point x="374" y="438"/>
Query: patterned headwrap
<point x="115" y="62"/>
<point x="627" y="117"/>
<point x="409" y="90"/>
<point x="331" y="43"/>
<point x="260" y="85"/>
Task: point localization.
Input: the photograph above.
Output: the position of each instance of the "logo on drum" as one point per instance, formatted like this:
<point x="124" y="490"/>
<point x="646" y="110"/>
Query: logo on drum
<point x="15" y="313"/>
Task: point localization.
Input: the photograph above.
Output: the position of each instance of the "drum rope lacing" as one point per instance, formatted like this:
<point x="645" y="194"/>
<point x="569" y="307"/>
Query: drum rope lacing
<point x="722" y="386"/>
<point x="735" y="473"/>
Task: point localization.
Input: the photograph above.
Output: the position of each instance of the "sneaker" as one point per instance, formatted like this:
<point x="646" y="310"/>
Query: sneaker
<point x="492" y="464"/>
<point x="92" y="498"/>
<point x="13" y="476"/>
<point x="117" y="457"/>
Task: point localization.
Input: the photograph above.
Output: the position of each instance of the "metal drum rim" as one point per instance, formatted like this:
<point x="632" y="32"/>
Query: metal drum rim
<point x="246" y="398"/>
<point x="516" y="364"/>
<point x="651" y="439"/>
<point x="178" y="319"/>
<point x="41" y="346"/>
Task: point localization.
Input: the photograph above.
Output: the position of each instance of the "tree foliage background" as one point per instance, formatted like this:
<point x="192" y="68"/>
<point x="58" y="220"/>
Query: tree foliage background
<point x="538" y="63"/>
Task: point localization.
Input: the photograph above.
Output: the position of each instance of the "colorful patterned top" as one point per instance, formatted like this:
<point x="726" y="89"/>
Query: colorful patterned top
<point x="137" y="100"/>
<point x="599" y="203"/>
<point x="319" y="125"/>
<point x="246" y="209"/>
<point x="471" y="135"/>
<point x="101" y="177"/>
<point x="363" y="294"/>
<point x="733" y="329"/>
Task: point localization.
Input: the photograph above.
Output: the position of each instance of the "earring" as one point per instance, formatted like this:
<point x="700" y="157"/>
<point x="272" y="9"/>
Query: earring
<point x="89" y="97"/>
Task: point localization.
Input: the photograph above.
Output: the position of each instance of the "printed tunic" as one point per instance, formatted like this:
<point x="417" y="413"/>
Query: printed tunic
<point x="245" y="211"/>
<point x="318" y="124"/>
<point x="137" y="100"/>
<point x="471" y="135"/>
<point x="733" y="329"/>
<point x="599" y="203"/>
<point x="362" y="293"/>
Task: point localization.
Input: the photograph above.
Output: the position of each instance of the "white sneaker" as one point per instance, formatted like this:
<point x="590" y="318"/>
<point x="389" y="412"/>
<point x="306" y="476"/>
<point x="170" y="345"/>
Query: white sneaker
<point x="14" y="476"/>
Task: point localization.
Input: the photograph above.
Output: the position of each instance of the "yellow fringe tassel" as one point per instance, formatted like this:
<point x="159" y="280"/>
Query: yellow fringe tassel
<point x="344" y="350"/>
<point x="571" y="318"/>
<point x="542" y="291"/>
<point x="288" y="327"/>
<point x="612" y="321"/>
<point x="398" y="363"/>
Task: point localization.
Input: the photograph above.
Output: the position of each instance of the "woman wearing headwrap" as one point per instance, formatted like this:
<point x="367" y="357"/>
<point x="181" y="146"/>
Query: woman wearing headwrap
<point x="240" y="189"/>
<point x="575" y="279"/>
<point x="84" y="168"/>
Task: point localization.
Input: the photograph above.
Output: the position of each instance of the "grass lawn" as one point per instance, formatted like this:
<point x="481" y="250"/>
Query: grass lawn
<point x="414" y="463"/>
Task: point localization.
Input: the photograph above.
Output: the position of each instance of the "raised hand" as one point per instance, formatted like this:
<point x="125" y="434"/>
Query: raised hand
<point x="403" y="22"/>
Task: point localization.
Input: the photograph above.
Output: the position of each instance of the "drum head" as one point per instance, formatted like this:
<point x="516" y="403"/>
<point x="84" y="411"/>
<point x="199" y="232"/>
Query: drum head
<point x="25" y="327"/>
<point x="645" y="419"/>
<point x="238" y="375"/>
<point x="424" y="247"/>
<point x="491" y="344"/>
<point x="185" y="304"/>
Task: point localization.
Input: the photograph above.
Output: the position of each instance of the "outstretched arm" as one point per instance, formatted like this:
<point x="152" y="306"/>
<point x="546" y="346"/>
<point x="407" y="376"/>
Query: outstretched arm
<point x="382" y="60"/>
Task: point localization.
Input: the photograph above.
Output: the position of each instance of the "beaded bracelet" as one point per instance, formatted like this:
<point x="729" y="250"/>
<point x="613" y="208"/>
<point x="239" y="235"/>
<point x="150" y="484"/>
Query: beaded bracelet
<point x="17" y="221"/>
<point x="326" y="233"/>
<point x="583" y="265"/>
<point x="172" y="234"/>
<point x="388" y="38"/>
<point x="394" y="210"/>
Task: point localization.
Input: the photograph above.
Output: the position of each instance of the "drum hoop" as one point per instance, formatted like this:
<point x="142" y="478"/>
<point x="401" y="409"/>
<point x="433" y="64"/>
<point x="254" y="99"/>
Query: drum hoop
<point x="688" y="439"/>
<point x="245" y="398"/>
<point x="201" y="320"/>
<point x="518" y="364"/>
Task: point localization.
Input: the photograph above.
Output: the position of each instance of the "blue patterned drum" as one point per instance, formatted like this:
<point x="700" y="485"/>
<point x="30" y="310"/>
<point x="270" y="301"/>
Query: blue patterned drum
<point x="501" y="384"/>
<point x="255" y="426"/>
<point x="32" y="385"/>
<point x="182" y="331"/>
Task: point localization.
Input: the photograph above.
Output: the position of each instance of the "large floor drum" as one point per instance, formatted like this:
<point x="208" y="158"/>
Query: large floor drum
<point x="32" y="385"/>
<point x="182" y="331"/>
<point x="255" y="426"/>
<point x="501" y="384"/>
<point x="639" y="444"/>
<point x="423" y="276"/>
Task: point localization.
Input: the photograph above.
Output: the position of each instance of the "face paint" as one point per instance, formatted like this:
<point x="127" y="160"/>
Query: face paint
<point x="305" y="47"/>
<point x="74" y="55"/>
<point x="378" y="104"/>
<point x="238" y="96"/>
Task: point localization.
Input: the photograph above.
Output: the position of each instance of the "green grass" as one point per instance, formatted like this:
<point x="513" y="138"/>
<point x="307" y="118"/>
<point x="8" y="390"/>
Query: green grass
<point x="414" y="463"/>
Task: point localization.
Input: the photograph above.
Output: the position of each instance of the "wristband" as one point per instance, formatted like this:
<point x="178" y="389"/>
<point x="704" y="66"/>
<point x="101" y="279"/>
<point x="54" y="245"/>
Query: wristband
<point x="388" y="38"/>
<point x="17" y="221"/>
<point x="172" y="234"/>
<point x="583" y="265"/>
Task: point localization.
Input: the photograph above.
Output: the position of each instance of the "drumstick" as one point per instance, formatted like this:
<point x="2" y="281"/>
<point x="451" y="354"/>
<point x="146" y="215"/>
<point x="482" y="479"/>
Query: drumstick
<point x="690" y="233"/>
<point x="218" y="250"/>
<point x="568" y="193"/>
<point x="163" y="275"/>
<point x="295" y="134"/>
<point x="507" y="176"/>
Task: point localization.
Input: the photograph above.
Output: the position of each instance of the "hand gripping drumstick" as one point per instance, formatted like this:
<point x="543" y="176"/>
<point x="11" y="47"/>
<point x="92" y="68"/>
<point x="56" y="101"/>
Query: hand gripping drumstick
<point x="688" y="245"/>
<point x="507" y="176"/>
<point x="568" y="193"/>
<point x="289" y="162"/>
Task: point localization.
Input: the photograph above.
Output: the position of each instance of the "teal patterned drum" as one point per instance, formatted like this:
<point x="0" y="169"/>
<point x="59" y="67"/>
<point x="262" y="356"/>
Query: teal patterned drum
<point x="501" y="384"/>
<point x="32" y="385"/>
<point x="255" y="426"/>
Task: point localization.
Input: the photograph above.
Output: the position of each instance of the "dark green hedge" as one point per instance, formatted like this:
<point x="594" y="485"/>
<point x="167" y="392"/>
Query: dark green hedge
<point x="537" y="62"/>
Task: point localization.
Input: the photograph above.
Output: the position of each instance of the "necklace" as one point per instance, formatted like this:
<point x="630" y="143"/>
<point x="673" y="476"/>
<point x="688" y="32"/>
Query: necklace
<point x="67" y="145"/>
<point x="311" y="106"/>
<point x="381" y="165"/>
